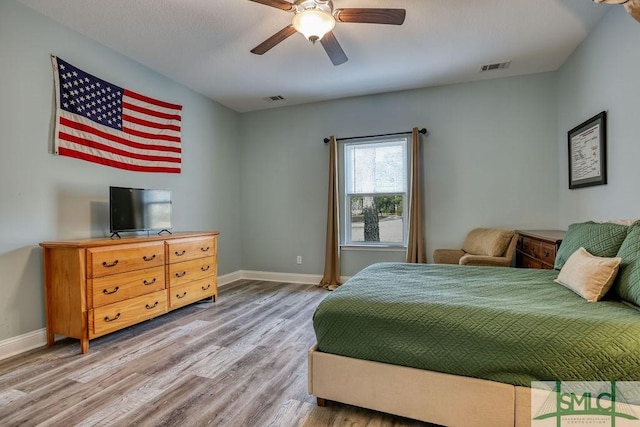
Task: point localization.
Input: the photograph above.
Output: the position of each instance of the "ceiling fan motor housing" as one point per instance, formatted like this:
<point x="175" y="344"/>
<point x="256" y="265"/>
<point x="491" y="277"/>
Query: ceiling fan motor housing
<point x="323" y="5"/>
<point x="313" y="18"/>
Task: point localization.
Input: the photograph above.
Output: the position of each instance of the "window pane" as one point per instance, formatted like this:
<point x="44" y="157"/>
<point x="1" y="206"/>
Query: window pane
<point x="376" y="167"/>
<point x="377" y="219"/>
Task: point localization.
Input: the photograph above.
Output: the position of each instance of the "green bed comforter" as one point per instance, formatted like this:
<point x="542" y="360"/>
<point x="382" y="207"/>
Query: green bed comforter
<point x="508" y="325"/>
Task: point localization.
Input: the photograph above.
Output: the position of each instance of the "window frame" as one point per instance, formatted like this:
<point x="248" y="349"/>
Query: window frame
<point x="345" y="196"/>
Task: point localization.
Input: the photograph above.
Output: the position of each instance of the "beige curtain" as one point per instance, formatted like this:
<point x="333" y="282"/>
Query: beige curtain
<point x="415" y="248"/>
<point x="331" y="278"/>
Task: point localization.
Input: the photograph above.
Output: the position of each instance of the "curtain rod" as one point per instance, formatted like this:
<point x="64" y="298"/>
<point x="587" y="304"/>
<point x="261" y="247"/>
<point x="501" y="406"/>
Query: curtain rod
<point x="422" y="131"/>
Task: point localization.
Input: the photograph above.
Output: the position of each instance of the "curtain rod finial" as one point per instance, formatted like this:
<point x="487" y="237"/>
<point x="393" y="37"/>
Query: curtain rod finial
<point x="326" y="140"/>
<point x="423" y="131"/>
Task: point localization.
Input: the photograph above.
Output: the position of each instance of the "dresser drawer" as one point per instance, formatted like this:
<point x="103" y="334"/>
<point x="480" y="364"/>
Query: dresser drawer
<point x="192" y="292"/>
<point x="118" y="315"/>
<point x="117" y="287"/>
<point x="531" y="247"/>
<point x="547" y="253"/>
<point x="527" y="262"/>
<point x="184" y="272"/>
<point x="180" y="250"/>
<point x="119" y="259"/>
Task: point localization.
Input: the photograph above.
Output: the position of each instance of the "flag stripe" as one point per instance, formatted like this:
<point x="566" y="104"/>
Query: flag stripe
<point x="109" y="149"/>
<point x="64" y="122"/>
<point x="147" y="123"/>
<point x="157" y="133"/>
<point x="132" y="131"/>
<point x="100" y="122"/>
<point x="156" y="102"/>
<point x="159" y="114"/>
<point x="116" y="164"/>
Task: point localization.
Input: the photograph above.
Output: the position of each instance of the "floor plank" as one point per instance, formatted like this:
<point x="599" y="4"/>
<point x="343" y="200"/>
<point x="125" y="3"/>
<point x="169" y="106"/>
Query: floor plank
<point x="241" y="361"/>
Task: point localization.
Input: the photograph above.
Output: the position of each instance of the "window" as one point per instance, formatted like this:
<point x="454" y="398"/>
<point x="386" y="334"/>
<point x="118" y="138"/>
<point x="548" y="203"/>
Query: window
<point x="375" y="192"/>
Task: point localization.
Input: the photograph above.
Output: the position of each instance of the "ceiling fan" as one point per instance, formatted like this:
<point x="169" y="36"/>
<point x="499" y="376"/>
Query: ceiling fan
<point x="315" y="19"/>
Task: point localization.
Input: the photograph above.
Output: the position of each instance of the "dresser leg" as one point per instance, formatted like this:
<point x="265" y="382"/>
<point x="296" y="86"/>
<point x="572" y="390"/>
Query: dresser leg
<point x="50" y="337"/>
<point x="84" y="345"/>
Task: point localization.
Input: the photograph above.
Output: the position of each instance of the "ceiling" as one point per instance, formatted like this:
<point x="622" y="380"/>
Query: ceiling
<point x="205" y="44"/>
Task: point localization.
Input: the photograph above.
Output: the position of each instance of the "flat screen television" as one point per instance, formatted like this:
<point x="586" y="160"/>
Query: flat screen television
<point x="137" y="209"/>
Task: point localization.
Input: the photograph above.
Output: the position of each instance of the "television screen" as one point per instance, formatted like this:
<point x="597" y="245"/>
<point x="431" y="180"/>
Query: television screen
<point x="136" y="209"/>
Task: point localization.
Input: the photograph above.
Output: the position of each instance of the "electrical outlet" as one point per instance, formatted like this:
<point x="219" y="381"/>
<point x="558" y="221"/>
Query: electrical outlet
<point x="299" y="259"/>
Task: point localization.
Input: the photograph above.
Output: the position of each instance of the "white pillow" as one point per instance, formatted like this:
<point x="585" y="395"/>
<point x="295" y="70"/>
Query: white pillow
<point x="587" y="275"/>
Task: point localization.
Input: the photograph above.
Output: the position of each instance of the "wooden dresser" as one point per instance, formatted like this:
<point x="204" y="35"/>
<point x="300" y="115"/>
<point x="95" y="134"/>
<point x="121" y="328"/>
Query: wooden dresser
<point x="538" y="248"/>
<point x="97" y="286"/>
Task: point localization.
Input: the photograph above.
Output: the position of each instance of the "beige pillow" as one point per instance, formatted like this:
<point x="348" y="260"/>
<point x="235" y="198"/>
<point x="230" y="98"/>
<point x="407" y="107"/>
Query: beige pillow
<point x="587" y="275"/>
<point x="487" y="241"/>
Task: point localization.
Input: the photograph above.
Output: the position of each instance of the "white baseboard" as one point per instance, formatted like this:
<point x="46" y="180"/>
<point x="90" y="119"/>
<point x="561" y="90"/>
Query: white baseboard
<point x="225" y="279"/>
<point x="268" y="276"/>
<point x="311" y="279"/>
<point x="20" y="344"/>
<point x="30" y="340"/>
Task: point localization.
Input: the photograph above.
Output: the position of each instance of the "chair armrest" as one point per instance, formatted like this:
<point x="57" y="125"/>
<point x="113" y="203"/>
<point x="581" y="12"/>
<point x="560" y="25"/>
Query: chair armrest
<point x="483" y="260"/>
<point x="448" y="256"/>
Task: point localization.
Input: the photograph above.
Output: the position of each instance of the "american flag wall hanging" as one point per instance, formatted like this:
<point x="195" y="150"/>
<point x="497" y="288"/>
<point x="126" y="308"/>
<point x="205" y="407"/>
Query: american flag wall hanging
<point x="103" y="123"/>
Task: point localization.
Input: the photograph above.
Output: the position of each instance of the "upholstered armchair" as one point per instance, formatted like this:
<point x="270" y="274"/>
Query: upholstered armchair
<point x="482" y="246"/>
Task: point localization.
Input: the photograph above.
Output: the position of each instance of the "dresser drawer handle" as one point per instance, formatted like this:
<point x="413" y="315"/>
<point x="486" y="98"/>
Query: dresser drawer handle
<point x="149" y="307"/>
<point x="105" y="264"/>
<point x="184" y="294"/>
<point x="181" y="274"/>
<point x="205" y="249"/>
<point x="180" y="253"/>
<point x="147" y="283"/>
<point x="546" y="254"/>
<point x="106" y="292"/>
<point x="107" y="319"/>
<point x="149" y="259"/>
<point x="205" y="268"/>
<point x="208" y="286"/>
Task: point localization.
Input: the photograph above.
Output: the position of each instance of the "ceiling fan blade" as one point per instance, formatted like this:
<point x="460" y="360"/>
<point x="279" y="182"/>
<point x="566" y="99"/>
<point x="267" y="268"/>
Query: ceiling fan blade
<point x="333" y="49"/>
<point x="278" y="37"/>
<point x="278" y="4"/>
<point x="371" y="16"/>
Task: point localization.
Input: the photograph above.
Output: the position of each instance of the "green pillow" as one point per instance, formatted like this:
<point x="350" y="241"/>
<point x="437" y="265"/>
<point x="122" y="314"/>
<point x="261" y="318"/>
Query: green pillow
<point x="599" y="239"/>
<point x="627" y="284"/>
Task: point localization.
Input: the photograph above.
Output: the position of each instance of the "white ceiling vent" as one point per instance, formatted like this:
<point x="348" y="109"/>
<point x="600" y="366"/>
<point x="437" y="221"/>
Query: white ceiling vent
<point x="275" y="98"/>
<point x="496" y="66"/>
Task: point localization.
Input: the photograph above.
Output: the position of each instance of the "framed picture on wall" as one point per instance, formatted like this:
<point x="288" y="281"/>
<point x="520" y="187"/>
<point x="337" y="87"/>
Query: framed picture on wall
<point x="588" y="152"/>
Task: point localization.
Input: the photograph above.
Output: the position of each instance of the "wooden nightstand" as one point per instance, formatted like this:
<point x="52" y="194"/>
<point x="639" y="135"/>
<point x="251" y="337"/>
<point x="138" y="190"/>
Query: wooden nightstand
<point x="538" y="248"/>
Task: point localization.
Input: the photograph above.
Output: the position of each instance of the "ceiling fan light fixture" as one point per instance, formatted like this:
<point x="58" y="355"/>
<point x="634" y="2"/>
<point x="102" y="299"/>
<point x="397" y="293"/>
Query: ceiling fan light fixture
<point x="313" y="23"/>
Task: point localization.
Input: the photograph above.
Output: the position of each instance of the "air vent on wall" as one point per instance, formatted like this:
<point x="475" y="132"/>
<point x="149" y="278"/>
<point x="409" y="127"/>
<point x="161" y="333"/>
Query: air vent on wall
<point x="496" y="66"/>
<point x="275" y="98"/>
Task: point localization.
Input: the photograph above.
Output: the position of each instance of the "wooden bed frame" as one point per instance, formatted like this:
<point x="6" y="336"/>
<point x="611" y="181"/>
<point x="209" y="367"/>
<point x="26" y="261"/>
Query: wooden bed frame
<point x="434" y="397"/>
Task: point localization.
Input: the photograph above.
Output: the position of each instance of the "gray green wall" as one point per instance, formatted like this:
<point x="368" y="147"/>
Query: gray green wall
<point x="46" y="197"/>
<point x="602" y="75"/>
<point x="489" y="160"/>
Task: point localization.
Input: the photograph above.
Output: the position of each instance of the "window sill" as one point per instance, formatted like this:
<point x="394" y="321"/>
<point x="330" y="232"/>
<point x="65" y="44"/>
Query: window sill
<point x="386" y="248"/>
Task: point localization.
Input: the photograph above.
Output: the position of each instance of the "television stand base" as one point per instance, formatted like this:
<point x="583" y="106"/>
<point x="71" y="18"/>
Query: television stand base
<point x="162" y="231"/>
<point x="116" y="234"/>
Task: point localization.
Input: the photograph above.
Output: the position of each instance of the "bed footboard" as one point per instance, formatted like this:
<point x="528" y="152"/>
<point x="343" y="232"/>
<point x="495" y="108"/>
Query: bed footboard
<point x="414" y="393"/>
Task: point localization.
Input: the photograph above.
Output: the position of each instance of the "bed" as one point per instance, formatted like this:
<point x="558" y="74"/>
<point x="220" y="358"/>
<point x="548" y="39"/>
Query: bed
<point x="460" y="345"/>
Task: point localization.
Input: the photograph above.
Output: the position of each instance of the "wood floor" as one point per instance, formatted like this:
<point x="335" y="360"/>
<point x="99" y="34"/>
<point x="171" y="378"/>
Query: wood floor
<point x="241" y="361"/>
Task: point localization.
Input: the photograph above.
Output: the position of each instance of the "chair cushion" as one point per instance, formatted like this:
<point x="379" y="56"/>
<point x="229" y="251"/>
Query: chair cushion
<point x="627" y="284"/>
<point x="603" y="240"/>
<point x="487" y="241"/>
<point x="587" y="275"/>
